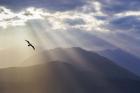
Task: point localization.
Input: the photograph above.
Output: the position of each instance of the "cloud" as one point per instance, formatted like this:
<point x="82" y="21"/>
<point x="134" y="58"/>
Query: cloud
<point x="73" y="22"/>
<point x="59" y="20"/>
<point x="126" y="22"/>
<point x="128" y="13"/>
<point x="90" y="16"/>
<point x="121" y="15"/>
<point x="117" y="6"/>
<point x="60" y="5"/>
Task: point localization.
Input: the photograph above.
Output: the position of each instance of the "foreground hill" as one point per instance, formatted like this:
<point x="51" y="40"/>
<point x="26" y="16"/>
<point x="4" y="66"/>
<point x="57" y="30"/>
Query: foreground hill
<point x="76" y="71"/>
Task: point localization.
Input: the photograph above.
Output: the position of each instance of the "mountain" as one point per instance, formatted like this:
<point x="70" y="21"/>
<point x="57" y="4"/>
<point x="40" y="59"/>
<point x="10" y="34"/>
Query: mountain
<point x="123" y="59"/>
<point x="80" y="57"/>
<point x="75" y="71"/>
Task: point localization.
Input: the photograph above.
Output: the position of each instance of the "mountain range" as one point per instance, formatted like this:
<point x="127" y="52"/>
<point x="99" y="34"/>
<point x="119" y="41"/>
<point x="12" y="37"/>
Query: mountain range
<point x="69" y="70"/>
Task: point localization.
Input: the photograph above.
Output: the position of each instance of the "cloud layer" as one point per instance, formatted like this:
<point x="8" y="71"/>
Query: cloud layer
<point x="97" y="15"/>
<point x="78" y="18"/>
<point x="49" y="4"/>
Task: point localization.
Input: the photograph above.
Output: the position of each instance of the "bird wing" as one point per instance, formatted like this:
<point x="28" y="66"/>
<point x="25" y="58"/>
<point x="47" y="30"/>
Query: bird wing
<point x="33" y="47"/>
<point x="27" y="41"/>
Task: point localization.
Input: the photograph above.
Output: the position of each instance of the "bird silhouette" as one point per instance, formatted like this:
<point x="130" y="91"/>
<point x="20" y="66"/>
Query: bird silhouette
<point x="30" y="45"/>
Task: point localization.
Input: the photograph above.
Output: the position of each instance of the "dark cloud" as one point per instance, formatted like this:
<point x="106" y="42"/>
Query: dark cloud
<point x="73" y="22"/>
<point x="116" y="6"/>
<point x="101" y="17"/>
<point x="126" y="23"/>
<point x="60" y="5"/>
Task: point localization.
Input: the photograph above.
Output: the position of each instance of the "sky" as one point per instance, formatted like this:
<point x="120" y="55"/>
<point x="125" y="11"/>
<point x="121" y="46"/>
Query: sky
<point x="91" y="24"/>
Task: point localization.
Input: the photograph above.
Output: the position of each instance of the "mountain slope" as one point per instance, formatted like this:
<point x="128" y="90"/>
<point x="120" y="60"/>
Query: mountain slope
<point x="86" y="59"/>
<point x="61" y="77"/>
<point x="81" y="72"/>
<point x="123" y="59"/>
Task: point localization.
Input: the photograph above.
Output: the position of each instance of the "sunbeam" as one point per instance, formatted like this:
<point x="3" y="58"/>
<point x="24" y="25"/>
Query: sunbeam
<point x="69" y="46"/>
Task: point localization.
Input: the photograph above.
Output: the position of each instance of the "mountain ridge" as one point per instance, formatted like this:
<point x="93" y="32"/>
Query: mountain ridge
<point x="123" y="59"/>
<point x="95" y="74"/>
<point x="80" y="57"/>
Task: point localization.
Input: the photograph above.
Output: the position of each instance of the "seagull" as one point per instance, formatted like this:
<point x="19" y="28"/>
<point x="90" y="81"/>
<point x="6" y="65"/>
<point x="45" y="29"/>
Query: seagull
<point x="30" y="45"/>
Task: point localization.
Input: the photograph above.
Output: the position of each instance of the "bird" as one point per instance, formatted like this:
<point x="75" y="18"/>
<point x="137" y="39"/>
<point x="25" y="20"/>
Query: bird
<point x="30" y="45"/>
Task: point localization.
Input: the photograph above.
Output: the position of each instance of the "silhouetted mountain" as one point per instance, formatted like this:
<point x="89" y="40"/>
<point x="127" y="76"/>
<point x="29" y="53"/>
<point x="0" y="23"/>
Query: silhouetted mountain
<point x="123" y="59"/>
<point x="76" y="71"/>
<point x="82" y="58"/>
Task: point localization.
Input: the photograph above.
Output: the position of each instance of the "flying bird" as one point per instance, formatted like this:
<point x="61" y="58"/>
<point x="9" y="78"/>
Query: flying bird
<point x="30" y="45"/>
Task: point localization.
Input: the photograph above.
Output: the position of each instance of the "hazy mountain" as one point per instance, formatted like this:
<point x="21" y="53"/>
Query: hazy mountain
<point x="82" y="58"/>
<point x="86" y="73"/>
<point x="123" y="59"/>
